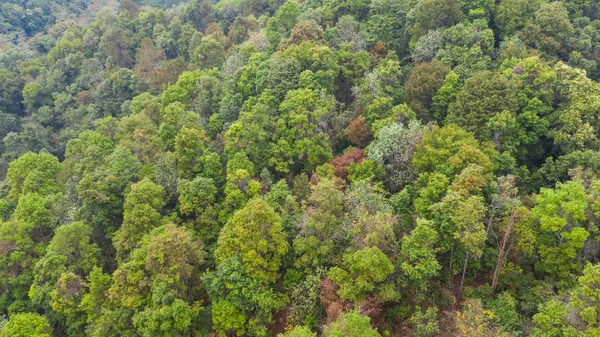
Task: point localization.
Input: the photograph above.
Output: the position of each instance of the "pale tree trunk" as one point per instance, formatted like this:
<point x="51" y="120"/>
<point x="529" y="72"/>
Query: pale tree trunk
<point x="502" y="252"/>
<point x="490" y="221"/>
<point x="462" y="279"/>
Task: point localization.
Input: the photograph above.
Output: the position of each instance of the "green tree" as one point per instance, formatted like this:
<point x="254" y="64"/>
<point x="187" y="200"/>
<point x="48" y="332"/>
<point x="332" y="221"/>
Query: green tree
<point x="363" y="273"/>
<point x="209" y="54"/>
<point x="422" y="84"/>
<point x="483" y="96"/>
<point x="467" y="48"/>
<point x="282" y="23"/>
<point x="157" y="288"/>
<point x="387" y="23"/>
<point x="561" y="214"/>
<point x="351" y="324"/>
<point x="298" y="331"/>
<point x="425" y="322"/>
<point x="299" y="142"/>
<point x="393" y="149"/>
<point x="252" y="133"/>
<point x="573" y="128"/>
<point x="445" y="97"/>
<point x="450" y="149"/>
<point x="240" y="303"/>
<point x="255" y="235"/>
<point x="322" y="228"/>
<point x="434" y="14"/>
<point x="26" y="325"/>
<point x="419" y="254"/>
<point x="190" y="146"/>
<point x="200" y="13"/>
<point x="11" y="89"/>
<point x="141" y="214"/>
<point x="70" y="250"/>
<point x="33" y="173"/>
<point x="514" y="15"/>
<point x="586" y="299"/>
<point x="551" y="320"/>
<point x="196" y="195"/>
<point x="551" y="30"/>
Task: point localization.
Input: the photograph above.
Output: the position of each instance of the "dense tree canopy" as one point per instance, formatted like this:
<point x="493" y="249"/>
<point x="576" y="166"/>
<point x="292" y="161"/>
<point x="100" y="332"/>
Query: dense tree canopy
<point x="299" y="168"/>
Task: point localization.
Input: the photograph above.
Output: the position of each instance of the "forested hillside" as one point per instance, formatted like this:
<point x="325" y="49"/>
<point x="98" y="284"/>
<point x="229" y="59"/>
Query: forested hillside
<point x="299" y="168"/>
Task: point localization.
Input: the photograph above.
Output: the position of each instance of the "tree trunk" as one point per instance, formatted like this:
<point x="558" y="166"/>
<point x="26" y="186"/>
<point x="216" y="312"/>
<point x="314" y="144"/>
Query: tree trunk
<point x="491" y="219"/>
<point x="502" y="252"/>
<point x="462" y="279"/>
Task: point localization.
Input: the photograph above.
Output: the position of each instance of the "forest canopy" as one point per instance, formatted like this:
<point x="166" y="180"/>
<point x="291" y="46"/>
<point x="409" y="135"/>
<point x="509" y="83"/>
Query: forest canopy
<point x="299" y="168"/>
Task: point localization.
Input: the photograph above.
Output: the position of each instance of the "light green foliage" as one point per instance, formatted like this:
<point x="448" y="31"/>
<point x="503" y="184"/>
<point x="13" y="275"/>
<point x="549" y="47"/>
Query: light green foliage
<point x="367" y="170"/>
<point x="562" y="219"/>
<point x="379" y="89"/>
<point x="70" y="250"/>
<point x="586" y="297"/>
<point x="141" y="215"/>
<point x="465" y="207"/>
<point x="189" y="148"/>
<point x="85" y="153"/>
<point x="65" y="300"/>
<point x="160" y="281"/>
<point x="574" y="129"/>
<point x="551" y="321"/>
<point x="166" y="316"/>
<point x="445" y="97"/>
<point x="534" y="82"/>
<point x="363" y="273"/>
<point x="240" y="161"/>
<point x="299" y="331"/>
<point x="239" y="188"/>
<point x="181" y="92"/>
<point x="351" y="324"/>
<point x="33" y="173"/>
<point x="175" y="117"/>
<point x="475" y="320"/>
<point x="505" y="312"/>
<point x="92" y="301"/>
<point x="282" y="23"/>
<point x="450" y="149"/>
<point x="255" y="235"/>
<point x="298" y="134"/>
<point x="317" y="62"/>
<point x="419" y="254"/>
<point x="26" y="325"/>
<point x="140" y="134"/>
